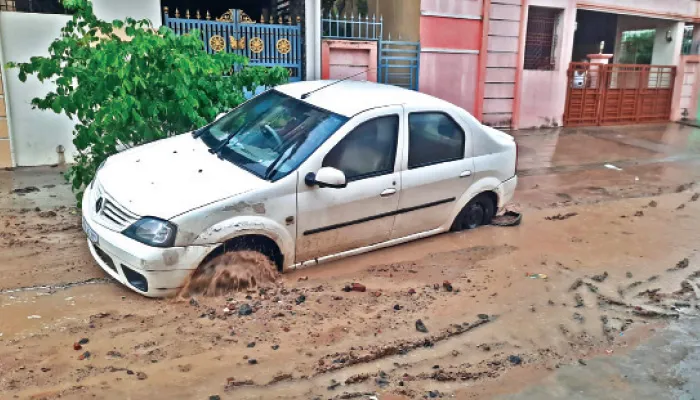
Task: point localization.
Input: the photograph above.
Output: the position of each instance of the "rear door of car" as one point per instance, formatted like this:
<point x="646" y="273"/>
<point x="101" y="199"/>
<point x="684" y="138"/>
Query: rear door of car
<point x="437" y="169"/>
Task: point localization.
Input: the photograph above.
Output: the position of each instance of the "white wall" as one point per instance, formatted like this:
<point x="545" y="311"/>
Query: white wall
<point x="36" y="134"/>
<point x="110" y="10"/>
<point x="665" y="52"/>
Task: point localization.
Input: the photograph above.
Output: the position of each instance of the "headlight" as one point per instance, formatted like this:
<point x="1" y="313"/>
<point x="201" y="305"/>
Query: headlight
<point x="153" y="232"/>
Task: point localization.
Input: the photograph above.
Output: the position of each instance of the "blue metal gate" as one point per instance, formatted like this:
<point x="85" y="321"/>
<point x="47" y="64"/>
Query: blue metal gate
<point x="398" y="62"/>
<point x="273" y="43"/>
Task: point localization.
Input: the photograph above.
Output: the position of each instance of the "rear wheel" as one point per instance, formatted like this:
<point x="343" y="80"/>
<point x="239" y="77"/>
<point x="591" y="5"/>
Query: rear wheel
<point x="479" y="211"/>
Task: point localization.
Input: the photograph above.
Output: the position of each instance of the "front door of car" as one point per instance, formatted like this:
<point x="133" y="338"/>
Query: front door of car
<point x="333" y="220"/>
<point x="438" y="168"/>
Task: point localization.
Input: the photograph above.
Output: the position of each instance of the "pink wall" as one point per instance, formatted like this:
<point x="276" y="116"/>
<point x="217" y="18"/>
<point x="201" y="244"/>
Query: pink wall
<point x="543" y="93"/>
<point x="686" y="88"/>
<point x="451" y="77"/>
<point x="450" y="46"/>
<point x="450" y="33"/>
<point x="342" y="58"/>
<point x="458" y="7"/>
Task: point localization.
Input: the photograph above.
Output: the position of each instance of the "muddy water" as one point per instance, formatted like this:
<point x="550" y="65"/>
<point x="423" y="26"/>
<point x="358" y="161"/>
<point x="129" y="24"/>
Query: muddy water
<point x="230" y="272"/>
<point x="309" y="338"/>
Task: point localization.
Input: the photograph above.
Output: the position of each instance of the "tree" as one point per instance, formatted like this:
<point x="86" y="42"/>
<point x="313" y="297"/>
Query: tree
<point x="344" y="7"/>
<point x="125" y="84"/>
<point x="637" y="46"/>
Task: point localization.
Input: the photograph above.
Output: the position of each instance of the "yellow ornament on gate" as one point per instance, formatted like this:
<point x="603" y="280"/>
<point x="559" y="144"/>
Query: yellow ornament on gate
<point x="256" y="45"/>
<point x="237" y="44"/>
<point x="284" y="46"/>
<point x="217" y="43"/>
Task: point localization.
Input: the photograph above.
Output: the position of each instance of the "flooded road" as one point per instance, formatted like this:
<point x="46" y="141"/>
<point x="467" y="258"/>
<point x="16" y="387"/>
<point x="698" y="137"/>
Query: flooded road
<point x="596" y="292"/>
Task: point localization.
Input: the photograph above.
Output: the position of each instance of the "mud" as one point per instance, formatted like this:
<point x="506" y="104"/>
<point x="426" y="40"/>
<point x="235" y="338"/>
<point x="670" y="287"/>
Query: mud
<point x="304" y="336"/>
<point x="228" y="273"/>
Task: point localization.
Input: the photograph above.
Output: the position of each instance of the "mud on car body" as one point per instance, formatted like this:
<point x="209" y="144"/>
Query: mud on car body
<point x="303" y="173"/>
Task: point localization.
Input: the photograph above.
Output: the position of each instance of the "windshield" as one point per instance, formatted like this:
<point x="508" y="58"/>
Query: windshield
<point x="272" y="134"/>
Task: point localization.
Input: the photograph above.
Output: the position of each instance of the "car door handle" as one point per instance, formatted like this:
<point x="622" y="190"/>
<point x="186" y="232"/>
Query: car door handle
<point x="465" y="174"/>
<point x="388" y="192"/>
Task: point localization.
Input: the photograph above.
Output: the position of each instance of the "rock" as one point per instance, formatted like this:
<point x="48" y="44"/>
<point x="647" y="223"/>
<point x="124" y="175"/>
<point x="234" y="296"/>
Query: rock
<point x="561" y="217"/>
<point x="579" y="301"/>
<point x="377" y="293"/>
<point x="680" y="207"/>
<point x="245" y="309"/>
<point x="695" y="197"/>
<point x="455" y="353"/>
<point x="433" y="394"/>
<point x="47" y="214"/>
<point x="303" y="278"/>
<point x="515" y="360"/>
<point x="483" y="316"/>
<point x="251" y="345"/>
<point x="411" y="291"/>
<point x="252" y="361"/>
<point x="84" y="356"/>
<point x="600" y="278"/>
<point x="84" y="341"/>
<point x="275" y="346"/>
<point x="578" y="317"/>
<point x="653" y="204"/>
<point x="358" y="287"/>
<point x="397" y="307"/>
<point x="629" y="275"/>
<point x="77" y="346"/>
<point x="194" y="302"/>
<point x="581" y="361"/>
<point x="215" y="397"/>
<point x="420" y="326"/>
<point x="682" y="264"/>
<point x="639" y="214"/>
<point x="301" y="299"/>
<point x="447" y="286"/>
<point x="141" y="376"/>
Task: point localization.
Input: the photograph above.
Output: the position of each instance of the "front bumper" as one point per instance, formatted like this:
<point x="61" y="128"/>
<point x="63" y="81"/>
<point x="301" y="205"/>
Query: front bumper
<point x="150" y="271"/>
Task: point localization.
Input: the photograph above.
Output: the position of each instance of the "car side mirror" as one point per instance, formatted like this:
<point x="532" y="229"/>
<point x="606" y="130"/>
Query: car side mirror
<point x="218" y="117"/>
<point x="327" y="177"/>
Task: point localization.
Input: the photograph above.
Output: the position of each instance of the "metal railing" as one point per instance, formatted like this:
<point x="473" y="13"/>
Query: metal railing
<point x="360" y="28"/>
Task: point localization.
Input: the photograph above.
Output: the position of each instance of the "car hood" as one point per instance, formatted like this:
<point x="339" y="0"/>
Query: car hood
<point x="169" y="177"/>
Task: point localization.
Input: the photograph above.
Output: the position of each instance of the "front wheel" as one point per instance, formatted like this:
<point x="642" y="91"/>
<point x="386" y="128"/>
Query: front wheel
<point x="479" y="211"/>
<point x="229" y="272"/>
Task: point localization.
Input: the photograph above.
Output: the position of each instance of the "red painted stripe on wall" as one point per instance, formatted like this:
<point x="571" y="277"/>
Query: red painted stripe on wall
<point x="450" y="33"/>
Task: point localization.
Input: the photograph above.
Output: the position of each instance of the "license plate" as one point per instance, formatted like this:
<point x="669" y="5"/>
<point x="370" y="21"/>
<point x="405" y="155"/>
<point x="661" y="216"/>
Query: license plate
<point x="91" y="234"/>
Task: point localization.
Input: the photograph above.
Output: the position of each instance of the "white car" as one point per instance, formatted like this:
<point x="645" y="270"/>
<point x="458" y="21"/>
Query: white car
<point x="303" y="173"/>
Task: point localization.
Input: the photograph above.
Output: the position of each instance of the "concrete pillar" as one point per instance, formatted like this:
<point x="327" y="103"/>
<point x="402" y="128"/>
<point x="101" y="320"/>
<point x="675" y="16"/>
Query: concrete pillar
<point x="668" y="43"/>
<point x="695" y="47"/>
<point x="312" y="37"/>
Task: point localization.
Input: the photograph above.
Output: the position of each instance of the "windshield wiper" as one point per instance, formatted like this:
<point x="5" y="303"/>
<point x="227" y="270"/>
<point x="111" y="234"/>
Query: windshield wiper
<point x="217" y="150"/>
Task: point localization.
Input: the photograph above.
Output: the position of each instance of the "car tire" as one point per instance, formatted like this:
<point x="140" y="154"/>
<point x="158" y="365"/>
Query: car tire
<point x="230" y="271"/>
<point x="478" y="212"/>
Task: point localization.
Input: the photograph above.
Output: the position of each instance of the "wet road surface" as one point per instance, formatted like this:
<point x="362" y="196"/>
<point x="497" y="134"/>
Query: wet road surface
<point x="503" y="330"/>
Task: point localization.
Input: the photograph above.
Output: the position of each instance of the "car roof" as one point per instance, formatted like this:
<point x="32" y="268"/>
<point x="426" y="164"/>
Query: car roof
<point x="350" y="98"/>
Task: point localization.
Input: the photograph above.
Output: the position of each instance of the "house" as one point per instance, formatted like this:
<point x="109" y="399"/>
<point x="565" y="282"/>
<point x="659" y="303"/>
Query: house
<point x="512" y="63"/>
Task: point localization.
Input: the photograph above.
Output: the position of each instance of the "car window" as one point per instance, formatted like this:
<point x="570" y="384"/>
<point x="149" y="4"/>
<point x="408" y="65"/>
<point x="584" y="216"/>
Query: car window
<point x="369" y="150"/>
<point x="433" y="138"/>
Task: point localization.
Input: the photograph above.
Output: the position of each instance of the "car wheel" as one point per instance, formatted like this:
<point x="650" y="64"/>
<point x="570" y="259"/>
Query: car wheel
<point x="479" y="211"/>
<point x="230" y="271"/>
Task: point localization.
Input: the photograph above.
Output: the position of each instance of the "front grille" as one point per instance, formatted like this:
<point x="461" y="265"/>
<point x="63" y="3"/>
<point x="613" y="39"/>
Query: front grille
<point x="109" y="213"/>
<point x="105" y="258"/>
<point x="117" y="215"/>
